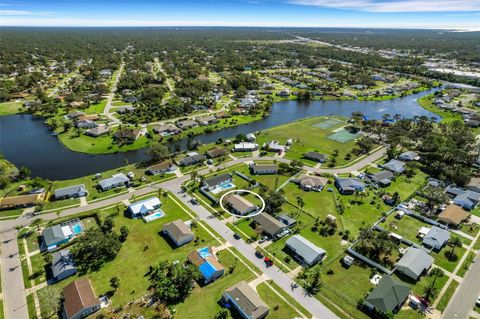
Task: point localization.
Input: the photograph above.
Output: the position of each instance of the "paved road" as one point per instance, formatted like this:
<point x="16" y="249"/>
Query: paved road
<point x="14" y="299"/>
<point x="14" y="296"/>
<point x="315" y="307"/>
<point x="464" y="298"/>
<point x="110" y="97"/>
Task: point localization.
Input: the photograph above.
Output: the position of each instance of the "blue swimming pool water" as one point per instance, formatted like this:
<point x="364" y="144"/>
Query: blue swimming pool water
<point x="153" y="216"/>
<point x="226" y="186"/>
<point x="77" y="229"/>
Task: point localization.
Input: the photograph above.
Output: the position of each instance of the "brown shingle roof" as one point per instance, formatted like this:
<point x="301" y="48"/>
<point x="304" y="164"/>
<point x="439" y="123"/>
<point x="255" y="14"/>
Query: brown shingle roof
<point x="79" y="295"/>
<point x="22" y="200"/>
<point x="247" y="300"/>
<point x="177" y="229"/>
<point x="453" y="214"/>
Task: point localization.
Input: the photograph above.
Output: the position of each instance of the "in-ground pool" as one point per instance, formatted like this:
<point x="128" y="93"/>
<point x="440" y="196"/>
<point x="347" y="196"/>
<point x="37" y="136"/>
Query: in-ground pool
<point x="77" y="229"/>
<point x="153" y="216"/>
<point x="223" y="187"/>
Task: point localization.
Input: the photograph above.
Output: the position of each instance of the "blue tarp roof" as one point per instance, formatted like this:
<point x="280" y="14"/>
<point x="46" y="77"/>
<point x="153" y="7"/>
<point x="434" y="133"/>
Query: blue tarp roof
<point x="207" y="269"/>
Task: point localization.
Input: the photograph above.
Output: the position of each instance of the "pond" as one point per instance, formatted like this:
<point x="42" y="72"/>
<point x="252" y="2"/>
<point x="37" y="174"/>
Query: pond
<point x="26" y="141"/>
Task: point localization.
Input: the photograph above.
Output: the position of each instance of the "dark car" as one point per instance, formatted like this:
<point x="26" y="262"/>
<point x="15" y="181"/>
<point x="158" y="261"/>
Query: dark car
<point x="194" y="201"/>
<point x="236" y="236"/>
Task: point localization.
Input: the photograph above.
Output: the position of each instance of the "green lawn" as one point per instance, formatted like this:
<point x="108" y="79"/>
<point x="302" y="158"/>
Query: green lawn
<point x="443" y="262"/>
<point x="426" y="281"/>
<point x="447" y="116"/>
<point x="38" y="268"/>
<point x="308" y="137"/>
<point x="466" y="264"/>
<point x="8" y="108"/>
<point x="442" y="304"/>
<point x="278" y="307"/>
<point x="96" y="108"/>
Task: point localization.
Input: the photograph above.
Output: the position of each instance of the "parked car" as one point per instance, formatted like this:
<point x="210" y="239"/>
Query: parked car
<point x="237" y="236"/>
<point x="194" y="201"/>
<point x="263" y="239"/>
<point x="268" y="262"/>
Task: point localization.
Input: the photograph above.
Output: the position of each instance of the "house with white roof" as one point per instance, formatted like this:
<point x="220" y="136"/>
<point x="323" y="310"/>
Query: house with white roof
<point x="144" y="207"/>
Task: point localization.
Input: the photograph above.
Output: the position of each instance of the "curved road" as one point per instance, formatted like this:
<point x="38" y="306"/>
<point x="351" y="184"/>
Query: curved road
<point x="15" y="303"/>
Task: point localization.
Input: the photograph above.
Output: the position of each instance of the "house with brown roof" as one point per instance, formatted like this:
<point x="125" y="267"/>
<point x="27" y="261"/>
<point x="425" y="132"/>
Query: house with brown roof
<point x="80" y="300"/>
<point x="98" y="131"/>
<point x="22" y="200"/>
<point x="178" y="232"/>
<point x="128" y="134"/>
<point x="239" y="205"/>
<point x="160" y="168"/>
<point x="270" y="226"/>
<point x="453" y="215"/>
<point x="207" y="120"/>
<point x="167" y="129"/>
<point x="311" y="182"/>
<point x="246" y="301"/>
<point x="217" y="152"/>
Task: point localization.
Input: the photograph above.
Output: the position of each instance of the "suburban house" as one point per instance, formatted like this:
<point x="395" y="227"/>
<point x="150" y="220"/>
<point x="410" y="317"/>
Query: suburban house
<point x="192" y="158"/>
<point x="166" y="129"/>
<point x="311" y="182"/>
<point x="453" y="215"/>
<point x="71" y="192"/>
<point x="263" y="169"/>
<point x="395" y="166"/>
<point x="414" y="263"/>
<point x="305" y="251"/>
<point x="388" y="296"/>
<point x="186" y="124"/>
<point x="178" y="232"/>
<point x="239" y="205"/>
<point x="144" y="207"/>
<point x="474" y="185"/>
<point x="88" y="124"/>
<point x="59" y="234"/>
<point x="246" y="301"/>
<point x="63" y="265"/>
<point x="287" y="220"/>
<point x="316" y="157"/>
<point x="74" y="114"/>
<point x="436" y="238"/>
<point x="464" y="198"/>
<point x="22" y="200"/>
<point x="160" y="168"/>
<point x="251" y="137"/>
<point x="215" y="181"/>
<point x="409" y="156"/>
<point x="270" y="225"/>
<point x="117" y="180"/>
<point x="245" y="147"/>
<point x="382" y="178"/>
<point x="98" y="131"/>
<point x="216" y="152"/>
<point x="207" y="120"/>
<point x="349" y="185"/>
<point x="79" y="299"/>
<point x="128" y="134"/>
<point x="125" y="109"/>
<point x="207" y="264"/>
<point x="274" y="146"/>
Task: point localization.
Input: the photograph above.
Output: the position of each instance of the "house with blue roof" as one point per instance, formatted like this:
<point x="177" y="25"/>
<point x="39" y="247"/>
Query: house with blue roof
<point x="464" y="198"/>
<point x="207" y="263"/>
<point x="436" y="238"/>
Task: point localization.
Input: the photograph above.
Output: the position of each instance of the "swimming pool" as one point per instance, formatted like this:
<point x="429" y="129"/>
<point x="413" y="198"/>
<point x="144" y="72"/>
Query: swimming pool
<point x="223" y="187"/>
<point x="77" y="229"/>
<point x="153" y="216"/>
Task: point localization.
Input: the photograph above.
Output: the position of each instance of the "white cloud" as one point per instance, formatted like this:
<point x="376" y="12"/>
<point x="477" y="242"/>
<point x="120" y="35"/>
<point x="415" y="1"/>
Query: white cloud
<point x="396" y="6"/>
<point x="23" y="13"/>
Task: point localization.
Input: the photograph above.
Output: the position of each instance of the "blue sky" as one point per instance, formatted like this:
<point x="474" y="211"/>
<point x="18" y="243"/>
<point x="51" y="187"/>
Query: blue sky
<point x="455" y="14"/>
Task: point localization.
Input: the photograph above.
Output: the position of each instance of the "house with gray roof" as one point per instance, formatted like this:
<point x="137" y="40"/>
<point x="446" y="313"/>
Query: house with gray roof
<point x="218" y="180"/>
<point x="382" y="178"/>
<point x="305" y="251"/>
<point x="191" y="159"/>
<point x="98" y="131"/>
<point x="178" y="232"/>
<point x="270" y="225"/>
<point x="246" y="301"/>
<point x="287" y="220"/>
<point x="388" y="296"/>
<point x="436" y="238"/>
<point x="395" y="166"/>
<point x="317" y="157"/>
<point x="408" y="156"/>
<point x="414" y="263"/>
<point x="263" y="169"/>
<point x="186" y="124"/>
<point x="117" y="180"/>
<point x="349" y="185"/>
<point x="53" y="237"/>
<point x="311" y="182"/>
<point x="63" y="265"/>
<point x="71" y="192"/>
<point x="239" y="205"/>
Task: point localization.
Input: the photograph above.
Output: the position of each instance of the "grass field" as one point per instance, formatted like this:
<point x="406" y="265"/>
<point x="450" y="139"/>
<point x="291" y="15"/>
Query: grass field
<point x="442" y="304"/>
<point x="8" y="108"/>
<point x="309" y="136"/>
<point x="96" y="108"/>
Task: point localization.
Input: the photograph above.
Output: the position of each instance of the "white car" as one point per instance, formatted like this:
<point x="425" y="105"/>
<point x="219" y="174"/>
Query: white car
<point x="478" y="302"/>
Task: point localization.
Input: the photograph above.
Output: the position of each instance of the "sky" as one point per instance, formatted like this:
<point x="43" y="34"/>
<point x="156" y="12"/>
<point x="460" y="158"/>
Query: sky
<point x="425" y="14"/>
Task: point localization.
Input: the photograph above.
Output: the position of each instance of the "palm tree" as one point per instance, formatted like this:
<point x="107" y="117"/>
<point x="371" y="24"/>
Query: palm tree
<point x="36" y="223"/>
<point x="313" y="283"/>
<point x="455" y="242"/>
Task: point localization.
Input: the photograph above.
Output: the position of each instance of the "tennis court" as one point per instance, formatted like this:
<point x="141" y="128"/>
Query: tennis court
<point x="328" y="123"/>
<point x="342" y="136"/>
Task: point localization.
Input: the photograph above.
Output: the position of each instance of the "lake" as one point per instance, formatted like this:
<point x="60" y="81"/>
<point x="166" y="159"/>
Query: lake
<point x="26" y="141"/>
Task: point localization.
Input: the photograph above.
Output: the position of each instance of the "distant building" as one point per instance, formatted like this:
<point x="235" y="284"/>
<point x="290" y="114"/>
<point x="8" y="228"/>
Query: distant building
<point x="125" y="109"/>
<point x="161" y="168"/>
<point x="246" y="301"/>
<point x="317" y="157"/>
<point x="178" y="232"/>
<point x="166" y="129"/>
<point x="128" y="134"/>
<point x="71" y="192"/>
<point x="117" y="180"/>
<point x="305" y="251"/>
<point x="186" y="124"/>
<point x="191" y="159"/>
<point x="395" y="166"/>
<point x="263" y="169"/>
<point x="207" y="120"/>
<point x="207" y="264"/>
<point x="217" y="152"/>
<point x="408" y="156"/>
<point x="98" y="131"/>
<point x="79" y="299"/>
<point x="245" y="147"/>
